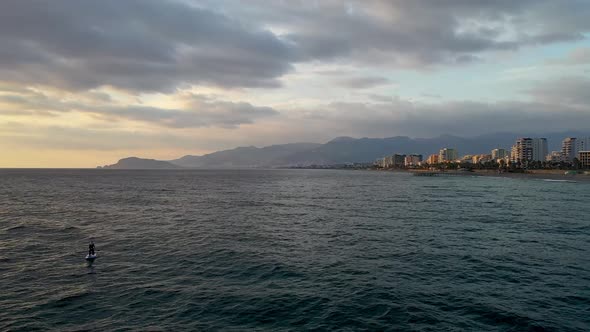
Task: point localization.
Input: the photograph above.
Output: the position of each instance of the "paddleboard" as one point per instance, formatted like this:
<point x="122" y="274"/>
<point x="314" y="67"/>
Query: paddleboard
<point x="91" y="257"/>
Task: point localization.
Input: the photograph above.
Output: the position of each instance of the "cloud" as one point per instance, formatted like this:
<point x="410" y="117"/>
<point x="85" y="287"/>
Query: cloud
<point x="580" y="56"/>
<point x="380" y="117"/>
<point x="564" y="91"/>
<point x="362" y="82"/>
<point x="158" y="45"/>
<point x="200" y="111"/>
<point x="23" y="135"/>
<point x="552" y="106"/>
<point x="415" y="119"/>
<point x="380" y="98"/>
<point x="418" y="33"/>
<point x="136" y="45"/>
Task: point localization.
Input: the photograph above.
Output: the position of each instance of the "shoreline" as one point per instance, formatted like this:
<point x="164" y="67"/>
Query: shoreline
<point x="540" y="175"/>
<point x="535" y="174"/>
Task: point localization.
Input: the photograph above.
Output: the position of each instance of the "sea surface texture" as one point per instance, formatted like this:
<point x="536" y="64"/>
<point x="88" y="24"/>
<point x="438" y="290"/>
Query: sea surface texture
<point x="279" y="250"/>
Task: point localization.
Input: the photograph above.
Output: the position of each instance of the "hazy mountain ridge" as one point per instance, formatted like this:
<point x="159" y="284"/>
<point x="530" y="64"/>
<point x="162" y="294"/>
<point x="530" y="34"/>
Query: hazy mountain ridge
<point x="340" y="150"/>
<point x="245" y="156"/>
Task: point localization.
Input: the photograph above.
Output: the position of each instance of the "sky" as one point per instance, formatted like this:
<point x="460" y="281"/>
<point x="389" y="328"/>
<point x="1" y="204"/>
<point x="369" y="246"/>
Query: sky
<point x="85" y="83"/>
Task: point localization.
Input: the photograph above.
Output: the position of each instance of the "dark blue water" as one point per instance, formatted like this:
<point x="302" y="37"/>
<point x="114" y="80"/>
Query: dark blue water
<point x="292" y="250"/>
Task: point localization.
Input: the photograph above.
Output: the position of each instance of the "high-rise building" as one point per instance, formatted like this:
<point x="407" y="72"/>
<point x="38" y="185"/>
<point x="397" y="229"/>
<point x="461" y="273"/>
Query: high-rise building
<point x="584" y="157"/>
<point x="529" y="149"/>
<point x="582" y="144"/>
<point x="387" y="162"/>
<point x="539" y="149"/>
<point x="432" y="159"/>
<point x="413" y="160"/>
<point x="447" y="154"/>
<point x="398" y="160"/>
<point x="498" y="154"/>
<point x="522" y="150"/>
<point x="568" y="149"/>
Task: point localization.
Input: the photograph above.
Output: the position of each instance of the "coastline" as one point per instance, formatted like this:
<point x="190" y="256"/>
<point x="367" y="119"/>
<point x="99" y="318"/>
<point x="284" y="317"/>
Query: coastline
<point x="537" y="174"/>
<point x="533" y="174"/>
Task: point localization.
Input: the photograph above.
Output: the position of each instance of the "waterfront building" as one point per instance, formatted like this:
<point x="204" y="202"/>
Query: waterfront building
<point x="568" y="149"/>
<point x="584" y="157"/>
<point x="554" y="157"/>
<point x="432" y="159"/>
<point x="398" y="160"/>
<point x="379" y="162"/>
<point x="582" y="144"/>
<point x="514" y="153"/>
<point x="447" y="155"/>
<point x="413" y="160"/>
<point x="388" y="162"/>
<point x="466" y="159"/>
<point x="529" y="149"/>
<point x="539" y="149"/>
<point x="498" y="153"/>
<point x="522" y="150"/>
<point x="481" y="158"/>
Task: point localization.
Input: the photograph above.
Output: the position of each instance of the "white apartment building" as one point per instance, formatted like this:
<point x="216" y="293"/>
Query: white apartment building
<point x="447" y="154"/>
<point x="498" y="154"/>
<point x="529" y="149"/>
<point x="568" y="149"/>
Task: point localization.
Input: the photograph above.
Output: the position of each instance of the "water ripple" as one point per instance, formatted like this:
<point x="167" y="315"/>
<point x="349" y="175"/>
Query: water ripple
<point x="291" y="250"/>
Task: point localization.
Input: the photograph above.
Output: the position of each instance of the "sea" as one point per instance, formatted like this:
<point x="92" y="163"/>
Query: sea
<point x="291" y="250"/>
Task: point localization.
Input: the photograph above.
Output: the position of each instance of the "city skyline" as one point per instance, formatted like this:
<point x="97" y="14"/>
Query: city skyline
<point x="575" y="151"/>
<point x="84" y="83"/>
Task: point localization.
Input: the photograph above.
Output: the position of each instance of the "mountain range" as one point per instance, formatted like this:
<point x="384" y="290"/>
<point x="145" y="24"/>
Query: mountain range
<point x="338" y="151"/>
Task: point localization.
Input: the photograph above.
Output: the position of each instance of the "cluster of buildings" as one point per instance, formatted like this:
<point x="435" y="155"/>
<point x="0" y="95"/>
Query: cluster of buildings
<point x="573" y="148"/>
<point x="524" y="152"/>
<point x="400" y="161"/>
<point x="573" y="151"/>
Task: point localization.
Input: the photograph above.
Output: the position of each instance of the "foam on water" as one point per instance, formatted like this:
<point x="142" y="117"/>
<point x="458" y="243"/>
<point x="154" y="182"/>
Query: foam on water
<point x="283" y="250"/>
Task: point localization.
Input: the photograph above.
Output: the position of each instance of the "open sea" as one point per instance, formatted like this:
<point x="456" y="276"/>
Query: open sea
<point x="279" y="250"/>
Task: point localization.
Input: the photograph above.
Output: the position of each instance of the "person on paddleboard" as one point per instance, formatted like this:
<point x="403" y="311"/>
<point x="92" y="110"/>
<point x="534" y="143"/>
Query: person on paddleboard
<point x="91" y="248"/>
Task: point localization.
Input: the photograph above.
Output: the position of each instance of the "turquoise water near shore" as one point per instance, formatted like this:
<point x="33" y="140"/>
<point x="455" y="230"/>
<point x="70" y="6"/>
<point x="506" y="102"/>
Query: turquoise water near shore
<point x="292" y="250"/>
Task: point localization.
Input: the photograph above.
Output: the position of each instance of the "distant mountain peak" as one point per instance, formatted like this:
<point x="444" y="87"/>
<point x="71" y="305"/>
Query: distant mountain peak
<point x="141" y="163"/>
<point x="341" y="139"/>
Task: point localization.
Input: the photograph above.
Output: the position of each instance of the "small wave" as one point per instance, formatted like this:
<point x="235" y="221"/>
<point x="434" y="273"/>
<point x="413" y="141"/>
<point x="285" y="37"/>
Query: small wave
<point x="70" y="228"/>
<point x="15" y="228"/>
<point x="556" y="180"/>
<point x="66" y="300"/>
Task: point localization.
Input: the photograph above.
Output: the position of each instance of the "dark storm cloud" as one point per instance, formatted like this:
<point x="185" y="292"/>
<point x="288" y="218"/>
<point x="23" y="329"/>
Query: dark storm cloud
<point x="136" y="45"/>
<point x="160" y="45"/>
